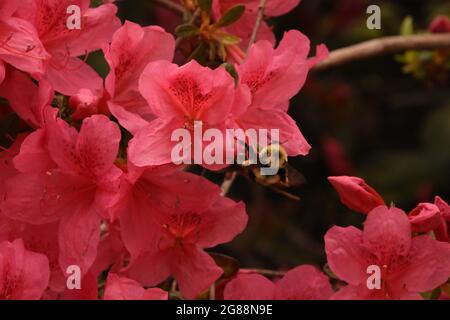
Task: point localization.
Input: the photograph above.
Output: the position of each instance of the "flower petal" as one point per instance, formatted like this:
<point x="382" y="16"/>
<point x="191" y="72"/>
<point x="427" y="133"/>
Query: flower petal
<point x="345" y="254"/>
<point x="250" y="287"/>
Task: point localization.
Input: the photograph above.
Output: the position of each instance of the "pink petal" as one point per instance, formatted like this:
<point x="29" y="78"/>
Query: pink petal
<point x="290" y="136"/>
<point x="98" y="27"/>
<point x="221" y="223"/>
<point x="22" y="47"/>
<point x="79" y="235"/>
<point x="25" y="274"/>
<point x="131" y="121"/>
<point x="33" y="156"/>
<point x="443" y="206"/>
<point x="362" y="293"/>
<point x="2" y="71"/>
<point x="98" y="145"/>
<point x="88" y="291"/>
<point x="250" y="287"/>
<point x="387" y="232"/>
<point x="345" y="254"/>
<point x="429" y="265"/>
<point x="275" y="76"/>
<point x="304" y="283"/>
<point x="41" y="198"/>
<point x="132" y="48"/>
<point x="356" y="194"/>
<point x="69" y="75"/>
<point x="152" y="145"/>
<point x="119" y="288"/>
<point x="195" y="271"/>
<point x="26" y="98"/>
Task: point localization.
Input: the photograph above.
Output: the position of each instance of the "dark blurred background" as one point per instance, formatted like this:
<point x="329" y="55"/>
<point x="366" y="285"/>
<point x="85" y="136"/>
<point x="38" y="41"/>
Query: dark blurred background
<point x="368" y="119"/>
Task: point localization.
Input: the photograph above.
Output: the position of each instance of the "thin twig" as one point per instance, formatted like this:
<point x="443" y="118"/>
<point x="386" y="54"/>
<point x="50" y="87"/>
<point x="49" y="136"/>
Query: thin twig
<point x="194" y="17"/>
<point x="171" y="5"/>
<point x="382" y="46"/>
<point x="259" y="19"/>
<point x="227" y="183"/>
<point x="269" y="273"/>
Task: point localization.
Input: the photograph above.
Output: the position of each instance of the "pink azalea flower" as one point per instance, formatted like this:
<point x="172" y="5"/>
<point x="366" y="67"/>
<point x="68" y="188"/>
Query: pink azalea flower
<point x="119" y="288"/>
<point x="409" y="266"/>
<point x="167" y="218"/>
<point x="23" y="274"/>
<point x="243" y="28"/>
<point x="19" y="42"/>
<point x="274" y="76"/>
<point x="356" y="194"/>
<point x="76" y="188"/>
<point x="67" y="73"/>
<point x="301" y="283"/>
<point x="179" y="96"/>
<point x="131" y="50"/>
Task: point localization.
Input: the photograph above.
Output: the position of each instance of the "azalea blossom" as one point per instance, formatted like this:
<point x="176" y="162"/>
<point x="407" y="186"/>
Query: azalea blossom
<point x="409" y="265"/>
<point x="179" y="97"/>
<point x="77" y="185"/>
<point x="273" y="77"/>
<point x="167" y="218"/>
<point x="301" y="283"/>
<point x="132" y="49"/>
<point x="63" y="69"/>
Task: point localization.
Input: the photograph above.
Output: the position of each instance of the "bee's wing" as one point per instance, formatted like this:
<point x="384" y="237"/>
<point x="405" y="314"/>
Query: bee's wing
<point x="296" y="178"/>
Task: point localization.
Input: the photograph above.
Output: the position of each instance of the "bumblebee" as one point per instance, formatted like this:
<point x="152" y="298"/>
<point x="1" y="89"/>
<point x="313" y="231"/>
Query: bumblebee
<point x="286" y="177"/>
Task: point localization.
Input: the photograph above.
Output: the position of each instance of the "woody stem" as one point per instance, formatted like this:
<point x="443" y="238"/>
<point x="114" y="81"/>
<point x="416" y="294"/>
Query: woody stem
<point x="382" y="46"/>
<point x="259" y="19"/>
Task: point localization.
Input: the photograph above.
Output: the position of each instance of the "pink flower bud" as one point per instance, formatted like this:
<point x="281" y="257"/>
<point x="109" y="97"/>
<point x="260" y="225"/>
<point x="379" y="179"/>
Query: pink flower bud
<point x="356" y="194"/>
<point x="424" y="218"/>
<point x="440" y="24"/>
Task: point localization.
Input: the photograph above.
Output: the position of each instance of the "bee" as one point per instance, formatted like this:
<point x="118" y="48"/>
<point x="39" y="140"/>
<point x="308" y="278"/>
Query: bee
<point x="274" y="156"/>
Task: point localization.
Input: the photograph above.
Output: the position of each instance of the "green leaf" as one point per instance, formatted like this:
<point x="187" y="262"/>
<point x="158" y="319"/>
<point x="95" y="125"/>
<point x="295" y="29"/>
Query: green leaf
<point x="187" y="31"/>
<point x="231" y="16"/>
<point x="229" y="67"/>
<point x="200" y="53"/>
<point x="229" y="39"/>
<point x="205" y="5"/>
<point x="407" y="27"/>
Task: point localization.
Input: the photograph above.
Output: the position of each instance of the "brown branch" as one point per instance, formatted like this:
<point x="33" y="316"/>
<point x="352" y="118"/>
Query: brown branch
<point x="259" y="19"/>
<point x="171" y="5"/>
<point x="382" y="46"/>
